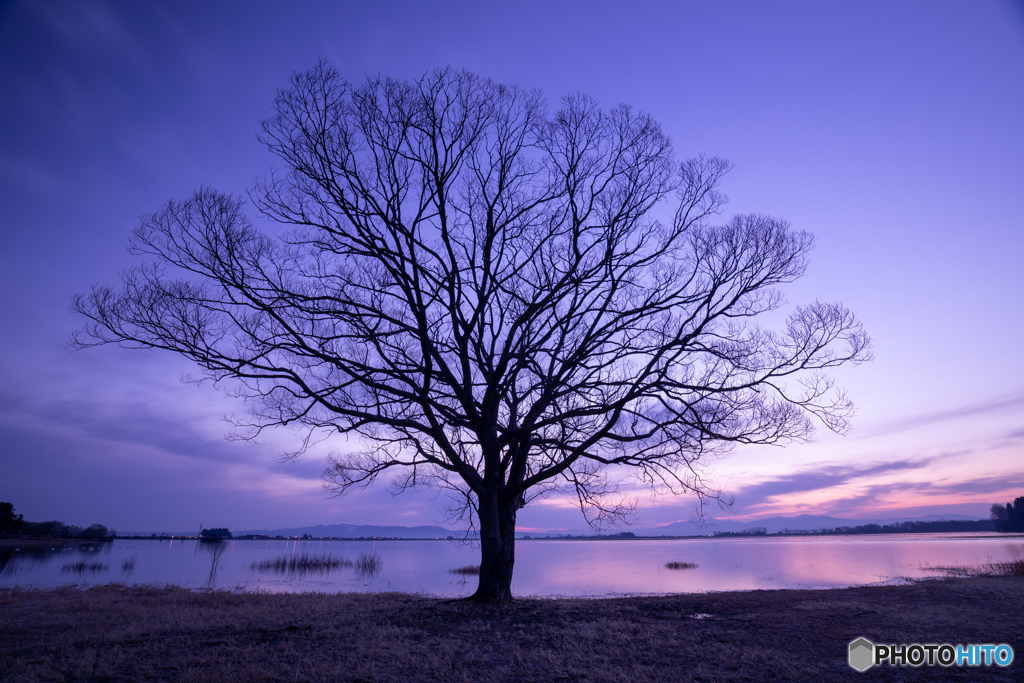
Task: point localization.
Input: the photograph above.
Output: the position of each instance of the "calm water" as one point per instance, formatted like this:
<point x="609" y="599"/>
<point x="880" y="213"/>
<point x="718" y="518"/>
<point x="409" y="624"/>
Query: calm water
<point x="543" y="568"/>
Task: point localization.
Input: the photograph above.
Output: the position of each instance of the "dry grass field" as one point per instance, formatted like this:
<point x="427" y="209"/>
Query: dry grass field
<point x="116" y="633"/>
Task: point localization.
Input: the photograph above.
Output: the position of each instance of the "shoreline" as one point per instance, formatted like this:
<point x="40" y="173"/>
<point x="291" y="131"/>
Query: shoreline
<point x="117" y="633"/>
<point x="36" y="541"/>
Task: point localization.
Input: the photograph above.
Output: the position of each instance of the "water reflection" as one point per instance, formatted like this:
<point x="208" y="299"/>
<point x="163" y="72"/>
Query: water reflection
<point x="368" y="565"/>
<point x="24" y="555"/>
<point x="302" y="564"/>
<point x="9" y="566"/>
<point x="215" y="549"/>
<point x="83" y="567"/>
<point x="543" y="568"/>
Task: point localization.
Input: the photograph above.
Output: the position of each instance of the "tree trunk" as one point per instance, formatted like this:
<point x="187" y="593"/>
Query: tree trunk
<point x="497" y="549"/>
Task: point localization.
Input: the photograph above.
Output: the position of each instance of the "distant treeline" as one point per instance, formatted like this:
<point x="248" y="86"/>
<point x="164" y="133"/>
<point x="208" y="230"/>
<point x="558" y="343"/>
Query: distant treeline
<point x="15" y="525"/>
<point x="897" y="528"/>
<point x="56" y="529"/>
<point x="1009" y="517"/>
<point x="310" y="537"/>
<point x="752" y="531"/>
<point x="622" y="536"/>
<point x="214" y="534"/>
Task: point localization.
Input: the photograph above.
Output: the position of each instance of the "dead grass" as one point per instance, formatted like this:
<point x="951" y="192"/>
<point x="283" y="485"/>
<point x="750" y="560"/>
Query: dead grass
<point x="83" y="567"/>
<point x="368" y="564"/>
<point x="1012" y="568"/>
<point x="302" y="563"/>
<point x="680" y="565"/>
<point x="1015" y="568"/>
<point x="117" y="633"/>
<point x="468" y="570"/>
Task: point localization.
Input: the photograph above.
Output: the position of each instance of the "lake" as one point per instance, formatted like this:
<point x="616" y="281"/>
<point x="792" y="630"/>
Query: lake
<point x="543" y="567"/>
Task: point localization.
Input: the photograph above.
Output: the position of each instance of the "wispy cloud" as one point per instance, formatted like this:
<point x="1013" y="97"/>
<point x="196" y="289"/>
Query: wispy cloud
<point x="890" y="496"/>
<point x="840" y="489"/>
<point x="925" y="419"/>
<point x="90" y="26"/>
<point x="821" y="478"/>
<point x="25" y="174"/>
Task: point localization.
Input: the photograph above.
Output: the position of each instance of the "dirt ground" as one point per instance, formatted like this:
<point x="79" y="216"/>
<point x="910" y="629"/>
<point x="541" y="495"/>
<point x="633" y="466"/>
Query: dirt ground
<point x="117" y="633"/>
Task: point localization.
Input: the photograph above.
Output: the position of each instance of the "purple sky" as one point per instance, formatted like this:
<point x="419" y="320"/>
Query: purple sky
<point x="893" y="131"/>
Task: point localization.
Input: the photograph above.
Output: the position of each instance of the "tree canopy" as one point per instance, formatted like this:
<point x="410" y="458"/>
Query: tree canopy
<point x="218" y="533"/>
<point x="497" y="299"/>
<point x="10" y="523"/>
<point x="1009" y="517"/>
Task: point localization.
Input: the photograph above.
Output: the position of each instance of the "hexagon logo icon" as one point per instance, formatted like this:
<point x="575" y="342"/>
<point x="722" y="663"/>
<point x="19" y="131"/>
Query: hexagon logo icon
<point x="862" y="654"/>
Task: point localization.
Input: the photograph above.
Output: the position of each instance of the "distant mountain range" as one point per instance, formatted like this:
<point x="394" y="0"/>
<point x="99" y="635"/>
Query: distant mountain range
<point x="358" y="531"/>
<point x="771" y="525"/>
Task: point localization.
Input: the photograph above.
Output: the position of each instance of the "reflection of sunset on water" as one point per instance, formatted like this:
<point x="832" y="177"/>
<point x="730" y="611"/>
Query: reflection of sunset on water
<point x="543" y="567"/>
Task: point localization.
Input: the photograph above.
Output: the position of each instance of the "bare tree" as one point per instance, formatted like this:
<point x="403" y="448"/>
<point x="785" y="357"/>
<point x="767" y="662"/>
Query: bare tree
<point x="499" y="301"/>
<point x="1009" y="517"/>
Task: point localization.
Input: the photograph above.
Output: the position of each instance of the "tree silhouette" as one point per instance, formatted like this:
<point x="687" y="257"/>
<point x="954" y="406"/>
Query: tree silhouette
<point x="10" y="523"/>
<point x="215" y="534"/>
<point x="1009" y="517"/>
<point x="500" y="301"/>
